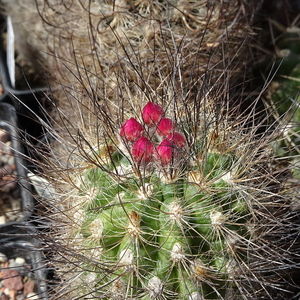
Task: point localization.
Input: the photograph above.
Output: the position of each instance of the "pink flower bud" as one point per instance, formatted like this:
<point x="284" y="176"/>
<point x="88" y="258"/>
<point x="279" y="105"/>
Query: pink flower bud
<point x="177" y="139"/>
<point x="142" y="150"/>
<point x="165" y="127"/>
<point x="165" y="151"/>
<point x="152" y="113"/>
<point x="131" y="130"/>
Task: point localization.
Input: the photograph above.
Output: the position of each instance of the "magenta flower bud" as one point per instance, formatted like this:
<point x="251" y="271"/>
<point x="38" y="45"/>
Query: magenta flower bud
<point x="165" y="127"/>
<point x="152" y="113"/>
<point x="165" y="151"/>
<point x="142" y="150"/>
<point x="131" y="130"/>
<point x="177" y="139"/>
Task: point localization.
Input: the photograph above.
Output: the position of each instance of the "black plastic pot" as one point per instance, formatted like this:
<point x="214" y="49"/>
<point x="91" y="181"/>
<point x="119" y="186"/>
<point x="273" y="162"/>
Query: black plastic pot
<point x="28" y="249"/>
<point x="8" y="122"/>
<point x="22" y="85"/>
<point x="28" y="98"/>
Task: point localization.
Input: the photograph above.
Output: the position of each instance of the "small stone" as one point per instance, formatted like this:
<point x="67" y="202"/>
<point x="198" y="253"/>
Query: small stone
<point x="20" y="297"/>
<point x="29" y="286"/>
<point x="20" y="261"/>
<point x="32" y="296"/>
<point x="4" y="136"/>
<point x="11" y="263"/>
<point x="4" y="297"/>
<point x="12" y="294"/>
<point x="3" y="257"/>
<point x="12" y="280"/>
<point x="9" y="183"/>
<point x="2" y="220"/>
<point x="6" y="170"/>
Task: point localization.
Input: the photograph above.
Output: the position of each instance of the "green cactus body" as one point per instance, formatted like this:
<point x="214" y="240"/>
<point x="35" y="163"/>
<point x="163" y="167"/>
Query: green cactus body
<point x="164" y="236"/>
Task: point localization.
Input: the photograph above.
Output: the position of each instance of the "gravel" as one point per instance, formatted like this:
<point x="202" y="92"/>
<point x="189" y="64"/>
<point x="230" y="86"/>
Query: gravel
<point x="16" y="282"/>
<point x="10" y="198"/>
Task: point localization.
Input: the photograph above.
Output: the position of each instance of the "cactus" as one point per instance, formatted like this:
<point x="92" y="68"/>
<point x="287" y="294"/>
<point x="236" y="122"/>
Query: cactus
<point x="160" y="212"/>
<point x="161" y="233"/>
<point x="162" y="188"/>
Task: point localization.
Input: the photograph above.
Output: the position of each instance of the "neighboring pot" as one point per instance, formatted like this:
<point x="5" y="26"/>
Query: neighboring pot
<point x="17" y="174"/>
<point x="27" y="97"/>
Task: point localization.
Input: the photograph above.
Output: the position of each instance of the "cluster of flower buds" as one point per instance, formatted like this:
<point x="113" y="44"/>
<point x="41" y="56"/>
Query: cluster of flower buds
<point x="154" y="140"/>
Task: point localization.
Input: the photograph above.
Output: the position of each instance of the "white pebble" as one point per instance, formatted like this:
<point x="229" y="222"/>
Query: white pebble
<point x="12" y="263"/>
<point x="2" y="220"/>
<point x="3" y="257"/>
<point x="6" y="291"/>
<point x="32" y="296"/>
<point x="20" y="261"/>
